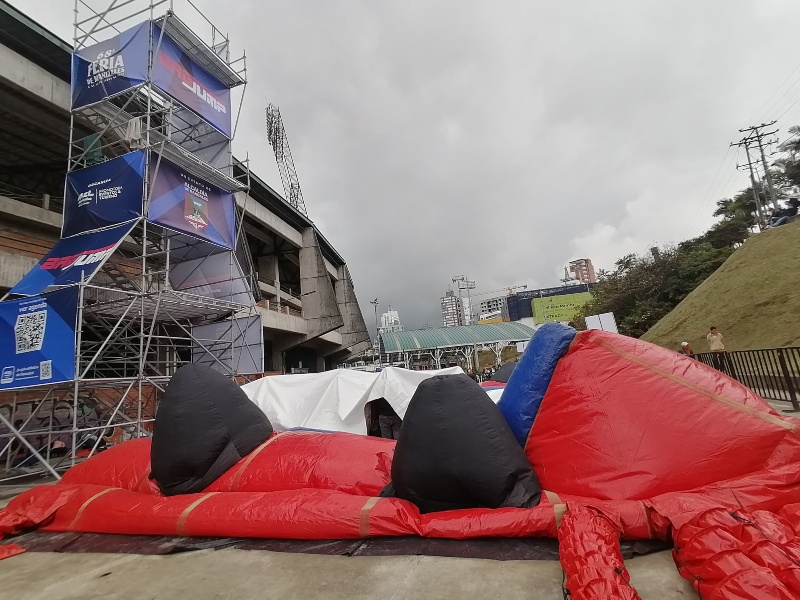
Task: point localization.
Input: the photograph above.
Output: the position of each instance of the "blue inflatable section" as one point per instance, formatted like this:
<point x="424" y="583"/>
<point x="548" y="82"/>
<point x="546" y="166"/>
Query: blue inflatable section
<point x="528" y="383"/>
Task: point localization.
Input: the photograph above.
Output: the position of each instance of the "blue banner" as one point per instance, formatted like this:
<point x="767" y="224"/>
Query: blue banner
<point x="105" y="194"/>
<point x="110" y="67"/>
<point x="182" y="202"/>
<point x="37" y="339"/>
<point x="176" y="74"/>
<point x="72" y="260"/>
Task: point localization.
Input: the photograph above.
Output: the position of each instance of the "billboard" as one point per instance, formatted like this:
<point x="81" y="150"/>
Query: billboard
<point x="106" y="194"/>
<point x="121" y="63"/>
<point x="185" y="203"/>
<point x="72" y="260"/>
<point x="558" y="308"/>
<point x="37" y="339"/>
<point x="232" y="346"/>
<point x="215" y="276"/>
<point x="176" y="74"/>
<point x="110" y="67"/>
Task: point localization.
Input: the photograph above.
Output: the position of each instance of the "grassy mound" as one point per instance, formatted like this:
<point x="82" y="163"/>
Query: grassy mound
<point x="753" y="298"/>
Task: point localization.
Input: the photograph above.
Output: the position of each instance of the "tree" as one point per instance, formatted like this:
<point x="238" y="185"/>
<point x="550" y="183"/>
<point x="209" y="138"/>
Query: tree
<point x="642" y="289"/>
<point x="742" y="207"/>
<point x="792" y="145"/>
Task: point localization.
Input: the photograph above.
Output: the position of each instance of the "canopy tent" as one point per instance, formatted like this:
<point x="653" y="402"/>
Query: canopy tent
<point x="335" y="400"/>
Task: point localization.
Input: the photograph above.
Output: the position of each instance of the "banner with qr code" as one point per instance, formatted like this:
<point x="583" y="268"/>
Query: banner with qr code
<point x="37" y="339"/>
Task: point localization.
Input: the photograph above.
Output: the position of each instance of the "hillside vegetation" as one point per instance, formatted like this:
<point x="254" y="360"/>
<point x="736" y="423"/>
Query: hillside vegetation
<point x="753" y="298"/>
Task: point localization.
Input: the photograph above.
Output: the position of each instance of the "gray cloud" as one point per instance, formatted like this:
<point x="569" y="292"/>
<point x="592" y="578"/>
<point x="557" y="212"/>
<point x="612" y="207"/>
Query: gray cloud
<point x="499" y="139"/>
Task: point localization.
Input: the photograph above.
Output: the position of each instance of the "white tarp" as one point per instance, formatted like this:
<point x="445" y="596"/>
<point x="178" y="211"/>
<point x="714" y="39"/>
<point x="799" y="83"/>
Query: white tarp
<point x="335" y="400"/>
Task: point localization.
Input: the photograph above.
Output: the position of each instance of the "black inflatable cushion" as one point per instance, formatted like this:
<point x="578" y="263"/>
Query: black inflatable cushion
<point x="457" y="451"/>
<point x="205" y="424"/>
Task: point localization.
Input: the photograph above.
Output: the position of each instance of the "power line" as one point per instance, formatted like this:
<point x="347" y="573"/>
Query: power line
<point x="759" y="111"/>
<point x="709" y="192"/>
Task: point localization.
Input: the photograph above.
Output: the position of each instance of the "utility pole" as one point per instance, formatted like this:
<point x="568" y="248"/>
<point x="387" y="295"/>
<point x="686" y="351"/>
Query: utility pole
<point x="756" y="189"/>
<point x="758" y="135"/>
<point x="377" y="335"/>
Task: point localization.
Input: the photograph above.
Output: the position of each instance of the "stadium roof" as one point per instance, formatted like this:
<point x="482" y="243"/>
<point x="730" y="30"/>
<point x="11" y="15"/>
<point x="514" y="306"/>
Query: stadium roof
<point x="26" y="37"/>
<point x="448" y="337"/>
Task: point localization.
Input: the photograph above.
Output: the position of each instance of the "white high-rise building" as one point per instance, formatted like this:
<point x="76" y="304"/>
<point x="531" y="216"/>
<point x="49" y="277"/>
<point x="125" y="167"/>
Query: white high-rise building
<point x="390" y="321"/>
<point x="452" y="311"/>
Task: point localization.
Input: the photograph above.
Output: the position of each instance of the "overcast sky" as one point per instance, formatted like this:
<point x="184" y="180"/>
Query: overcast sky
<point x="501" y="139"/>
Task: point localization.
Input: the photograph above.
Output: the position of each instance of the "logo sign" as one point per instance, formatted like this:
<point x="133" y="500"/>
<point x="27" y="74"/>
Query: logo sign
<point x="104" y="195"/>
<point x="196" y="211"/>
<point x="182" y="202"/>
<point x="559" y="308"/>
<point x="37" y="339"/>
<point x="72" y="260"/>
<point x="110" y="67"/>
<point x="176" y="74"/>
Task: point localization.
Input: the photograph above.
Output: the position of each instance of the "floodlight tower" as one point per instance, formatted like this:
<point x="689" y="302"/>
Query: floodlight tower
<point x="283" y="155"/>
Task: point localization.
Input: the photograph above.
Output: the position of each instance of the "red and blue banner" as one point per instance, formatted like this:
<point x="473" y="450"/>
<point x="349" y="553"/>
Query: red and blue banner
<point x="176" y="74"/>
<point x="121" y="63"/>
<point x="72" y="260"/>
<point x="182" y="202"/>
<point x="103" y="195"/>
<point x="37" y="339"/>
<point x="110" y="67"/>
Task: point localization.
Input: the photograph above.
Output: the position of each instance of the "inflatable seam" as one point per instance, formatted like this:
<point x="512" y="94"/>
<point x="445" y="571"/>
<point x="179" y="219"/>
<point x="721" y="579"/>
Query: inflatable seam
<point x="238" y="477"/>
<point x="181" y="524"/>
<point x="711" y="395"/>
<point x="83" y="507"/>
<point x="142" y="478"/>
<point x="363" y="518"/>
<point x="650" y="533"/>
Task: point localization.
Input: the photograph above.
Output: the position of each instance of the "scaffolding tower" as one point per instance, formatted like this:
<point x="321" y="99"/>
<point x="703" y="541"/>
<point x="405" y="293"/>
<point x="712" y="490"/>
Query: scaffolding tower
<point x="164" y="293"/>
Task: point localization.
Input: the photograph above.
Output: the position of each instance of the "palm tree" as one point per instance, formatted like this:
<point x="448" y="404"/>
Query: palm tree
<point x="792" y="144"/>
<point x="742" y="206"/>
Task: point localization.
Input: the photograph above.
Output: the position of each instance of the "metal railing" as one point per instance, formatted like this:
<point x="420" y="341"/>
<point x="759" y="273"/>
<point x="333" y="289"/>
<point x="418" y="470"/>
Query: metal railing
<point x="773" y="373"/>
<point x="278" y="307"/>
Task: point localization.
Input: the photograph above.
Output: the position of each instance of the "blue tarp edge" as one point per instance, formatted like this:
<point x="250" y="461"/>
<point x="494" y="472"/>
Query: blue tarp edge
<point x="528" y="383"/>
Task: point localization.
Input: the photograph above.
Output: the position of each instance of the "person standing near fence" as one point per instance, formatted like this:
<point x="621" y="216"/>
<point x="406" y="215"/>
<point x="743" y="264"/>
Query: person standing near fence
<point x="714" y="339"/>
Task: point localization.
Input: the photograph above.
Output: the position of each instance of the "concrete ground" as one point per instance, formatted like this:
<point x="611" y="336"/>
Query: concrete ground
<point x="245" y="574"/>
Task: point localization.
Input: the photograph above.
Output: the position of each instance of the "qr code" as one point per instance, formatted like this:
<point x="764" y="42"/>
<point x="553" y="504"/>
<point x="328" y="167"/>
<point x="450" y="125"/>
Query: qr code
<point x="29" y="331"/>
<point x="46" y="369"/>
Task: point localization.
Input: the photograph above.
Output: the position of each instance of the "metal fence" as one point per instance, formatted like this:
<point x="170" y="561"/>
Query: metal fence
<point x="773" y="373"/>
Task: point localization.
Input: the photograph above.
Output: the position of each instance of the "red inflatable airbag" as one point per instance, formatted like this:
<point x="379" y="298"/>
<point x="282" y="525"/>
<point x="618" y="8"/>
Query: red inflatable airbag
<point x="624" y="419"/>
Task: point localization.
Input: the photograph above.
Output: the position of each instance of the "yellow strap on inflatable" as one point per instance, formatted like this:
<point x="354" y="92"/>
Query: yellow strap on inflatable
<point x="363" y="520"/>
<point x="180" y="526"/>
<point x="78" y="515"/>
<point x="238" y="477"/>
<point x="559" y="508"/>
<point x="764" y="416"/>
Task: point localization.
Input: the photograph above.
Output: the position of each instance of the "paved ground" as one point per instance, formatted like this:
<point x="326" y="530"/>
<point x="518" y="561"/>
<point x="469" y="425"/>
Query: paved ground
<point x="243" y="574"/>
<point x="7" y="492"/>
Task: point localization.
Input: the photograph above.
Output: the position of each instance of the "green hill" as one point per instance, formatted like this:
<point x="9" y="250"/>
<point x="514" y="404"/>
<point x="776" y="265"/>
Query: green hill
<point x="753" y="298"/>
